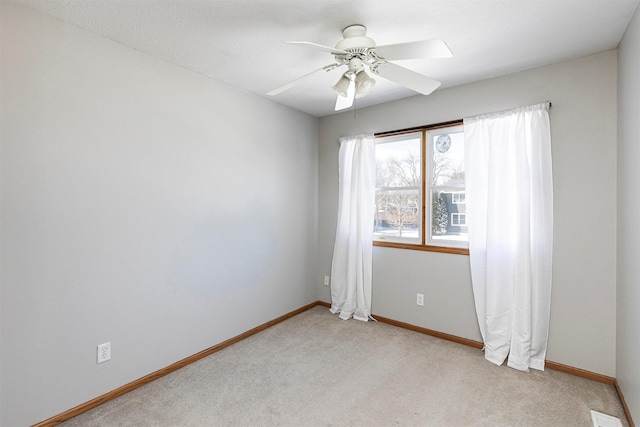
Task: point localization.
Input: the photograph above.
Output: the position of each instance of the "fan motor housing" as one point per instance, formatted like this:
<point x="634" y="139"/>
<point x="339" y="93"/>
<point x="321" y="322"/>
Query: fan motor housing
<point x="355" y="40"/>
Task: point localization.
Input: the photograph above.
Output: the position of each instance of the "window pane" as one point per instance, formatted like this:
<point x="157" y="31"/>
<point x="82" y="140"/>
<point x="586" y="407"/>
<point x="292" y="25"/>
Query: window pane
<point x="397" y="213"/>
<point x="448" y="221"/>
<point x="398" y="184"/>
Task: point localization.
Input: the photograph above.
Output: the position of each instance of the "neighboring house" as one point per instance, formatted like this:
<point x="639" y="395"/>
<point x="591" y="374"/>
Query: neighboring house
<point x="456" y="209"/>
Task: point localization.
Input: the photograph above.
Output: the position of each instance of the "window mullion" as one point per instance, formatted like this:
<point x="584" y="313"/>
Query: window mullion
<point x="423" y="172"/>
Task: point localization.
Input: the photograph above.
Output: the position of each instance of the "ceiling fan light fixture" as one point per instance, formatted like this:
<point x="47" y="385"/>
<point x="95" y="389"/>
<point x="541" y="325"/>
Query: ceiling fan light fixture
<point x="342" y="86"/>
<point x="357" y="52"/>
<point x="364" y="84"/>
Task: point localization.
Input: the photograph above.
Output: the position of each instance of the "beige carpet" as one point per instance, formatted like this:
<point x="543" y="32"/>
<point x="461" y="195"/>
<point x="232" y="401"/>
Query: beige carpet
<point x="317" y="370"/>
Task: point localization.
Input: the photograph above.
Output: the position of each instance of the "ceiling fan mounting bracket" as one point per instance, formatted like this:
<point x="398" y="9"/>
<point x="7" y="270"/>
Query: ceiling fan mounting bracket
<point x="354" y="30"/>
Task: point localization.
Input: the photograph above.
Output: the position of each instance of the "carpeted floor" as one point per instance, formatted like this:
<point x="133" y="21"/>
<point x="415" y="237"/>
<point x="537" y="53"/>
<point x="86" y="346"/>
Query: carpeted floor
<point x="317" y="370"/>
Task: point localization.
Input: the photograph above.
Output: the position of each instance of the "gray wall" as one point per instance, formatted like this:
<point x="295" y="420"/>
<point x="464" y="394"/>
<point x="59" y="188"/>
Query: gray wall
<point x="628" y="315"/>
<point x="583" y="124"/>
<point x="154" y="208"/>
<point x="142" y="204"/>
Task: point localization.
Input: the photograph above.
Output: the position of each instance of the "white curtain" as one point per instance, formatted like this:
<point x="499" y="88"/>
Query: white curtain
<point x="509" y="195"/>
<point x="351" y="265"/>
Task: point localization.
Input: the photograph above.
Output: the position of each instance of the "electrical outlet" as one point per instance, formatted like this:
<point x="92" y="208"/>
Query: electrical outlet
<point x="326" y="280"/>
<point x="104" y="352"/>
<point x="420" y="300"/>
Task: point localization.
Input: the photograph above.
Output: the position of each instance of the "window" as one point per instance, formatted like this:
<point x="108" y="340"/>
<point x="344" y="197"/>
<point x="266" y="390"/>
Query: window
<point x="459" y="219"/>
<point x="458" y="198"/>
<point x="420" y="198"/>
<point x="398" y="188"/>
<point x="445" y="160"/>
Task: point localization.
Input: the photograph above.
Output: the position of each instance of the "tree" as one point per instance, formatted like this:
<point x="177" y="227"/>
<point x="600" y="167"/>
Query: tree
<point x="440" y="220"/>
<point x="441" y="167"/>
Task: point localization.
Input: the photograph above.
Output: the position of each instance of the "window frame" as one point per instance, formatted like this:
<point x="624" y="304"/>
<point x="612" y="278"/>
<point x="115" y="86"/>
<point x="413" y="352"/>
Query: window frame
<point x="424" y="244"/>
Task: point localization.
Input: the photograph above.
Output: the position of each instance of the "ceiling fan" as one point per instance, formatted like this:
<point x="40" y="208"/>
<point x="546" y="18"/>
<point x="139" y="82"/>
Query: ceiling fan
<point x="356" y="51"/>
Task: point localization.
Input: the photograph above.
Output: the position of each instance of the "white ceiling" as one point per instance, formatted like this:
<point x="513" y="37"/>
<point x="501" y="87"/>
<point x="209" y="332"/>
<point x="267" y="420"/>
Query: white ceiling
<point x="240" y="42"/>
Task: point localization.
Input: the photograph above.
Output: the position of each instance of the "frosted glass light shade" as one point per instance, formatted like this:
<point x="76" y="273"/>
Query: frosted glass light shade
<point x="342" y="86"/>
<point x="364" y="84"/>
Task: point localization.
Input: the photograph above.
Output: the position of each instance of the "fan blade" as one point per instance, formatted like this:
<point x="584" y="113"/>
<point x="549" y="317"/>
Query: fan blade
<point x="323" y="48"/>
<point x="344" y="102"/>
<point x="300" y="79"/>
<point x="435" y="48"/>
<point x="404" y="76"/>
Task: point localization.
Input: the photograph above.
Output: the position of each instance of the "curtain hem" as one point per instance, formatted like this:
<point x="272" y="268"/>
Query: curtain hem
<point x="493" y="358"/>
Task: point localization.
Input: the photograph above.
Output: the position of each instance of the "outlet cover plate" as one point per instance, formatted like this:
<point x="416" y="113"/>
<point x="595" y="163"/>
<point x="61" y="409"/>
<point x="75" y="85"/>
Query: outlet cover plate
<point x="104" y="352"/>
<point x="420" y="300"/>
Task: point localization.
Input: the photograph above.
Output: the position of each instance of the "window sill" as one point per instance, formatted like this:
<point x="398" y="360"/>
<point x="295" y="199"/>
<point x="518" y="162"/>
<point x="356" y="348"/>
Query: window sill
<point x="426" y="248"/>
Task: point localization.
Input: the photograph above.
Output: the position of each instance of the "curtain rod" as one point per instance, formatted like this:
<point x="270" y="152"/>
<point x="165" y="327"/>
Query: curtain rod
<point x="424" y="127"/>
